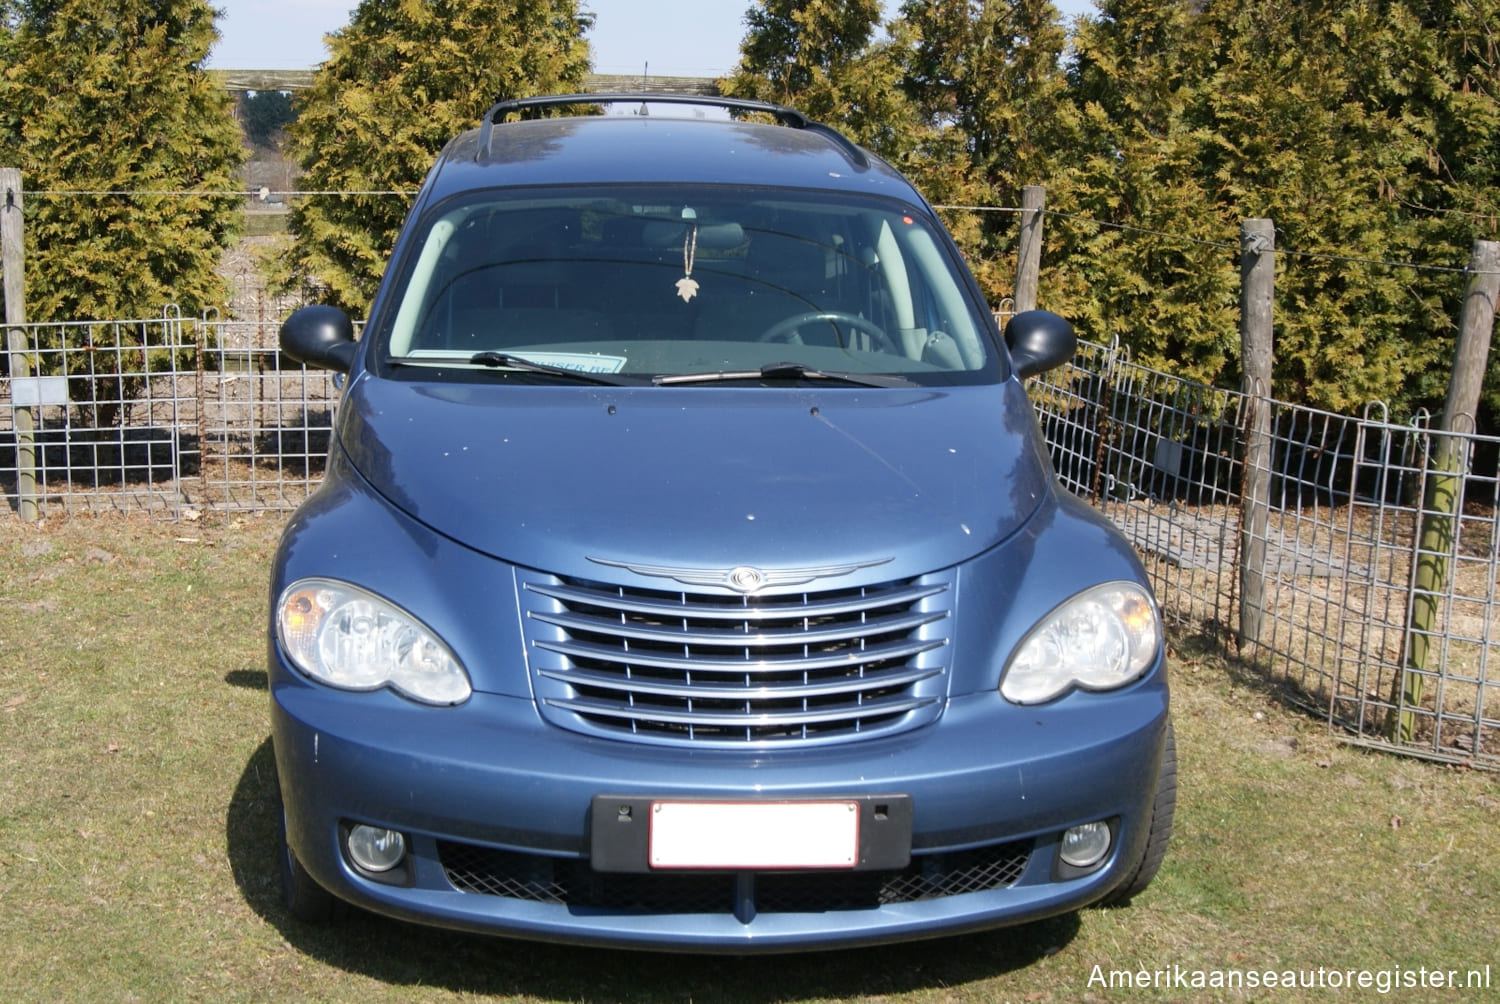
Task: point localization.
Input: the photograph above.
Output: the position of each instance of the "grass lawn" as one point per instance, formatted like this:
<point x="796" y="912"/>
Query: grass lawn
<point x="136" y="833"/>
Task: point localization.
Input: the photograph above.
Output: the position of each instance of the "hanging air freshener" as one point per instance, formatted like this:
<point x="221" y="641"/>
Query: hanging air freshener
<point x="687" y="286"/>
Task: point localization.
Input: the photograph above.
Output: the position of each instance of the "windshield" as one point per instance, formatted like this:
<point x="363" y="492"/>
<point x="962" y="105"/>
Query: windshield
<point x="656" y="282"/>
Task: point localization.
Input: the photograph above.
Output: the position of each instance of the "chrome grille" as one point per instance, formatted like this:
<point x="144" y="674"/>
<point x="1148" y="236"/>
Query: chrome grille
<point x="700" y="668"/>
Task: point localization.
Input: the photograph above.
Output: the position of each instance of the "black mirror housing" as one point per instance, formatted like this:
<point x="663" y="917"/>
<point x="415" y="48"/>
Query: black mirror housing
<point x="1039" y="340"/>
<point x="320" y="336"/>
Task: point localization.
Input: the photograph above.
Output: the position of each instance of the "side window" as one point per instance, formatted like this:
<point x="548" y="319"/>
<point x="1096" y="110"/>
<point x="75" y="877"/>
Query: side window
<point x="928" y="306"/>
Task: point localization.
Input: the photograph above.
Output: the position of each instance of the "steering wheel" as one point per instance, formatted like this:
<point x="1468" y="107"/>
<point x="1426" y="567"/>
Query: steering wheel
<point x="786" y="330"/>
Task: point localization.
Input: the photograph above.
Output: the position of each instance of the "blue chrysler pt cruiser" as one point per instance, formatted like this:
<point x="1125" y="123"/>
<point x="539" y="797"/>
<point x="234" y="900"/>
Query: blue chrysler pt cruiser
<point x="689" y="572"/>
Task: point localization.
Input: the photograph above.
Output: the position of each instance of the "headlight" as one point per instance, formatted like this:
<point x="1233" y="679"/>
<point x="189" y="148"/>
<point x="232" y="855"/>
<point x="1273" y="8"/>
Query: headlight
<point x="1101" y="639"/>
<point x="348" y="638"/>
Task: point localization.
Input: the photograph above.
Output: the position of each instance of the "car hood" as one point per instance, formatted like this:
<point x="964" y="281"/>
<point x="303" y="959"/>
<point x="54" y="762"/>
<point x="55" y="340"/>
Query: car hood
<point x="564" y="478"/>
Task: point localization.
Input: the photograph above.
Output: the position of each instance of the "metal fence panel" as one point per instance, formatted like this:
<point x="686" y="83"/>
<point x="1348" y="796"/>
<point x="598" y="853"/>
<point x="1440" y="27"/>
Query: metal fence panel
<point x="171" y="416"/>
<point x="1162" y="456"/>
<point x="267" y="420"/>
<point x="166" y="416"/>
<point x="114" y="419"/>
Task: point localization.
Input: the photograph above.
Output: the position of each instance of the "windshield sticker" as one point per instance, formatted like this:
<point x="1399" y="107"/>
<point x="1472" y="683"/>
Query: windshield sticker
<point x="583" y="362"/>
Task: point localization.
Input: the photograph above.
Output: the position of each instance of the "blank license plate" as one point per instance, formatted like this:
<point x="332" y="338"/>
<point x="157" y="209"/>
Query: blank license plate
<point x="754" y="834"/>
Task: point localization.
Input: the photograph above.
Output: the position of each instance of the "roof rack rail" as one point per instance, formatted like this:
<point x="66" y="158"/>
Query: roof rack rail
<point x="784" y="115"/>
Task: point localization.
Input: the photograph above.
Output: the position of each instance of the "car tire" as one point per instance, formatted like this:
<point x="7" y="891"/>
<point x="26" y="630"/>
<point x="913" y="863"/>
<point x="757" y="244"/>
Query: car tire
<point x="300" y="892"/>
<point x="1163" y="807"/>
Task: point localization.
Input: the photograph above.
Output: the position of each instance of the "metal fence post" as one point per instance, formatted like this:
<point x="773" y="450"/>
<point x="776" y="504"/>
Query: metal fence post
<point x="1257" y="295"/>
<point x="12" y="250"/>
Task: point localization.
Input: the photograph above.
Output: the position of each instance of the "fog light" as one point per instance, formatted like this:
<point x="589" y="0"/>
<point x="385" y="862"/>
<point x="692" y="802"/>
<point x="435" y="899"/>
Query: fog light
<point x="1085" y="846"/>
<point x="374" y="848"/>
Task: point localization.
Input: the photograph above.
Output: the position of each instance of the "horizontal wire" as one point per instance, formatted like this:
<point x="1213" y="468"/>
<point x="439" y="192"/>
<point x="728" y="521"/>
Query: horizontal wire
<point x="1279" y="252"/>
<point x="181" y="193"/>
<point x="1122" y="227"/>
<point x="983" y="209"/>
<point x="1143" y="230"/>
<point x="1352" y="260"/>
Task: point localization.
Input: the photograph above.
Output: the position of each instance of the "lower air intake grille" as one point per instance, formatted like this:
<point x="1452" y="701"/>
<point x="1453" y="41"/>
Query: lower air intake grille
<point x="571" y="882"/>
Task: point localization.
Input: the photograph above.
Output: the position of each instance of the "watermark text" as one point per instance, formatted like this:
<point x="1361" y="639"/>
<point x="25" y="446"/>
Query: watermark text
<point x="1322" y="978"/>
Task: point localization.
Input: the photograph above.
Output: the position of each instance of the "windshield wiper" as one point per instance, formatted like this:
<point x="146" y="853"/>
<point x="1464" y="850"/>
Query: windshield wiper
<point x="505" y="360"/>
<point x="784" y="371"/>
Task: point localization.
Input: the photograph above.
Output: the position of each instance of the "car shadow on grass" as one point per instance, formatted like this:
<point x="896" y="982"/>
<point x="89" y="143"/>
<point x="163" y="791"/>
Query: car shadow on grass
<point x="402" y="954"/>
<point x="248" y="679"/>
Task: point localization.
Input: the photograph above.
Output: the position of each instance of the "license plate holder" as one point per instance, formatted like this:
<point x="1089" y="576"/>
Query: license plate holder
<point x="634" y="833"/>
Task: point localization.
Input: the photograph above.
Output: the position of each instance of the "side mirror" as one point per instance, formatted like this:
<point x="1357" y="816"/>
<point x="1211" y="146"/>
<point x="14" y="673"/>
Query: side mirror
<point x="1039" y="340"/>
<point x="320" y="336"/>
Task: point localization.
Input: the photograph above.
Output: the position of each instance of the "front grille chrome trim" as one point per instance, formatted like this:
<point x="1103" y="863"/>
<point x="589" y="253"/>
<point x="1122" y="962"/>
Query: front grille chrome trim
<point x="729" y="608"/>
<point x="700" y="691"/>
<point x="751" y="635"/>
<point x="656" y="665"/>
<point x="645" y="659"/>
<point x="720" y="720"/>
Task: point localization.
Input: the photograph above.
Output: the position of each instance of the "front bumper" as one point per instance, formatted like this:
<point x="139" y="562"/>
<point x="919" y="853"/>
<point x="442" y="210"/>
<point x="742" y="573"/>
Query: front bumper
<point x="496" y="804"/>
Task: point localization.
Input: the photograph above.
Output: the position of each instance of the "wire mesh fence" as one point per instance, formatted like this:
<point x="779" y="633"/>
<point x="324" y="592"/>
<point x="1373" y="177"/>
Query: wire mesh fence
<point x="176" y="417"/>
<point x="169" y="416"/>
<point x="111" y="420"/>
<point x="266" y="422"/>
<point x="1334" y="556"/>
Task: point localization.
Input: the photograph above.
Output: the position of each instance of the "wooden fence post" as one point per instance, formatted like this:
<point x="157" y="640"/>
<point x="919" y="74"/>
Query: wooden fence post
<point x="1257" y="302"/>
<point x="1029" y="253"/>
<point x="1442" y="497"/>
<point x="13" y="261"/>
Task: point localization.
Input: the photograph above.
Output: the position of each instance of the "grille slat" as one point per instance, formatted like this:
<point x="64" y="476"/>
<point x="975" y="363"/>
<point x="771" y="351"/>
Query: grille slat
<point x="748" y="688"/>
<point x="663" y="666"/>
<point x="729" y="719"/>
<point x="647" y="658"/>
<point x="685" y="635"/>
<point x="728" y="607"/>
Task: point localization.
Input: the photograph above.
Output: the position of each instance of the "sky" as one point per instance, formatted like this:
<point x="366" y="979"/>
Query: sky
<point x="669" y="38"/>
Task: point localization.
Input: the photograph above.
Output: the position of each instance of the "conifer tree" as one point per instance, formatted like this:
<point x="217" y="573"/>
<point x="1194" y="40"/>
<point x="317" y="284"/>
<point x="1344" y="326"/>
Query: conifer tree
<point x="993" y="70"/>
<point x="1437" y="73"/>
<point x="112" y="98"/>
<point x="1326" y="118"/>
<point x="1292" y="133"/>
<point x="1367" y="130"/>
<point x="1157" y="273"/>
<point x="823" y="58"/>
<point x="402" y="78"/>
<point x="7" y="30"/>
<point x="988" y="85"/>
<point x="265" y="116"/>
<point x="796" y="51"/>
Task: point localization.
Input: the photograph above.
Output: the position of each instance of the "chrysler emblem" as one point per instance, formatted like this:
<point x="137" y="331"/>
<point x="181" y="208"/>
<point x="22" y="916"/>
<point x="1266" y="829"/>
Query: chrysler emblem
<point x="744" y="579"/>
